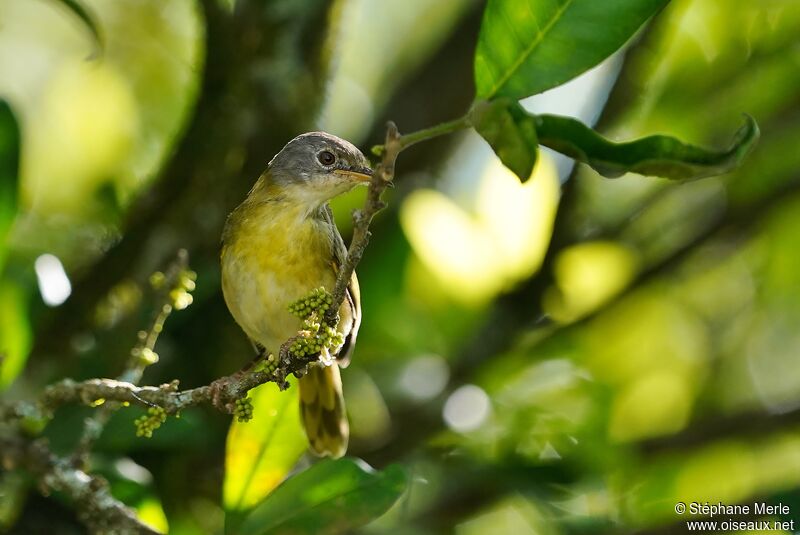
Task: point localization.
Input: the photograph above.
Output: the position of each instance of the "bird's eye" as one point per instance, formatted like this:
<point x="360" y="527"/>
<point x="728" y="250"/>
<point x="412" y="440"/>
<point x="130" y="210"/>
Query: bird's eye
<point x="326" y="157"/>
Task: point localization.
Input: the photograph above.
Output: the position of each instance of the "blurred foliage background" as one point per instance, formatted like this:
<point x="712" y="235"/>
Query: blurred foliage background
<point x="571" y="355"/>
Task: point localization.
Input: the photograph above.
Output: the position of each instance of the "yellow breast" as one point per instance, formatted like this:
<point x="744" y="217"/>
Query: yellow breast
<point x="273" y="255"/>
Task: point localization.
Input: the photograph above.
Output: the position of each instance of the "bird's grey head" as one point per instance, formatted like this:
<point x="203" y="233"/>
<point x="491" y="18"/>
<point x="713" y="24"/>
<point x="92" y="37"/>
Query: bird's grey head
<point x="317" y="166"/>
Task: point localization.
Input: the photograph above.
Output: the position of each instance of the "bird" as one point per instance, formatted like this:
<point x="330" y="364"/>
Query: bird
<point x="280" y="244"/>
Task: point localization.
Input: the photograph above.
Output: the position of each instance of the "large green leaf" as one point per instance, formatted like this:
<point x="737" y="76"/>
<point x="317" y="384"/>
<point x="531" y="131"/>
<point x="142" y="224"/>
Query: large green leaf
<point x="528" y="46"/>
<point x="330" y="497"/>
<point x="9" y="172"/>
<point x="511" y="131"/>
<point x="659" y="155"/>
<point x="15" y="330"/>
<point x="504" y="125"/>
<point x="260" y="453"/>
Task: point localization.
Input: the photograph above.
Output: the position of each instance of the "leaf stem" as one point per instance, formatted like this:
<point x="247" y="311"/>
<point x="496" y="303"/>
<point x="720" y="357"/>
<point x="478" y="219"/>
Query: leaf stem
<point x="407" y="140"/>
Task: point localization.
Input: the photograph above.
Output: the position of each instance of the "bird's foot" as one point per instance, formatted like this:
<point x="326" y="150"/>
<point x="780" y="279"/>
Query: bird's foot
<point x="284" y="365"/>
<point x="222" y="392"/>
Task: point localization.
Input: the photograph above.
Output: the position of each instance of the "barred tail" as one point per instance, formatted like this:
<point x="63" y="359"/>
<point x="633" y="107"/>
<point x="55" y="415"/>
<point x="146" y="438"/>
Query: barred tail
<point x="322" y="411"/>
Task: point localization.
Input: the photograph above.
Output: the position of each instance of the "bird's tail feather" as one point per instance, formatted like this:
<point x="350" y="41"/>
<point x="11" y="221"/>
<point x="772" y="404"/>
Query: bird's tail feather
<point x="322" y="411"/>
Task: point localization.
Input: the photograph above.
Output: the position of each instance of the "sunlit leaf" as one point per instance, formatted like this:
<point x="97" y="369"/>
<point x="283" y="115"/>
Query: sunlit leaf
<point x="77" y="9"/>
<point x="472" y="256"/>
<point x="653" y="405"/>
<point x="15" y="331"/>
<point x="150" y="512"/>
<point x="658" y="155"/>
<point x="514" y="514"/>
<point x="14" y="487"/>
<point x="94" y="135"/>
<point x="510" y="134"/>
<point x="9" y="176"/>
<point x="330" y="497"/>
<point x="587" y="275"/>
<point x="260" y="453"/>
<point x="528" y="46"/>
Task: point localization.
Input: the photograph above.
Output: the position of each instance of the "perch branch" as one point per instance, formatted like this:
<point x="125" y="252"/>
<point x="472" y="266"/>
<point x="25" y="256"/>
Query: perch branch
<point x="94" y="392"/>
<point x="381" y="178"/>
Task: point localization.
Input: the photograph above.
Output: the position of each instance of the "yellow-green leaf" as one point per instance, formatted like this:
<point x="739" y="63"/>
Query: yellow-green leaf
<point x="9" y="174"/>
<point x="15" y="331"/>
<point x="261" y="453"/>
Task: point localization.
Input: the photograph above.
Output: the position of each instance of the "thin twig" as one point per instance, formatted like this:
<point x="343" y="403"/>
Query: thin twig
<point x="381" y="178"/>
<point x="140" y="358"/>
<point x="438" y="130"/>
<point x="96" y="507"/>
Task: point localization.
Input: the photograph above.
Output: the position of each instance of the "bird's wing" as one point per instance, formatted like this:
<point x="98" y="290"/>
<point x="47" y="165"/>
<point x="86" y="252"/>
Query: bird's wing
<point x="352" y="297"/>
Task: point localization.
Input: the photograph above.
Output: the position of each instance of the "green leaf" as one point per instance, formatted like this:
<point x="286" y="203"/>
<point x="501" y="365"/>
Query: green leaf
<point x="528" y="46"/>
<point x="14" y="488"/>
<point x="15" y="331"/>
<point x="260" y="453"/>
<point x="76" y="8"/>
<point x="510" y="131"/>
<point x="659" y="155"/>
<point x="514" y="133"/>
<point x="330" y="497"/>
<point x="9" y="173"/>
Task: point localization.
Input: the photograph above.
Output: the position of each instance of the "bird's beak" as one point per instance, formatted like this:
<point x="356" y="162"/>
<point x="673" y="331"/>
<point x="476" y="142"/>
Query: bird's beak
<point x="356" y="174"/>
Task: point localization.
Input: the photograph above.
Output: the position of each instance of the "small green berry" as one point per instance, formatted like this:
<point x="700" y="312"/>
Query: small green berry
<point x="243" y="410"/>
<point x="147" y="423"/>
<point x="157" y="280"/>
<point x="180" y="298"/>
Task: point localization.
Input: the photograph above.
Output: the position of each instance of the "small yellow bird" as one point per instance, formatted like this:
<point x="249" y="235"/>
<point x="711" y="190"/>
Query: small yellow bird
<point x="279" y="245"/>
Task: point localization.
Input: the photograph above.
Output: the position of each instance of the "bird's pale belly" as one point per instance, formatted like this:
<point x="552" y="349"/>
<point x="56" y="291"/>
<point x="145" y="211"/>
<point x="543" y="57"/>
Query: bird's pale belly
<point x="262" y="275"/>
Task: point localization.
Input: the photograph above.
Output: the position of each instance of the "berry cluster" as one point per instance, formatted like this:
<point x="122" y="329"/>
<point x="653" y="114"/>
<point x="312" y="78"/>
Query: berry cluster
<point x="318" y="301"/>
<point x="244" y="410"/>
<point x="313" y="340"/>
<point x="146" y="355"/>
<point x="269" y="364"/>
<point x="180" y="296"/>
<point x="315" y="337"/>
<point x="157" y="280"/>
<point x="147" y="423"/>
